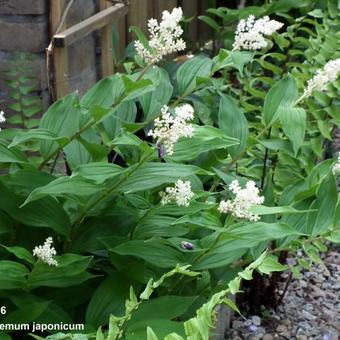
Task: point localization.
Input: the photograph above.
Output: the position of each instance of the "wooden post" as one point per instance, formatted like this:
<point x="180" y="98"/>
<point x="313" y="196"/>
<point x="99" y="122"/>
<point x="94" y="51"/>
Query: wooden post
<point x="106" y="44"/>
<point x="138" y="15"/>
<point x="60" y="56"/>
<point x="190" y="9"/>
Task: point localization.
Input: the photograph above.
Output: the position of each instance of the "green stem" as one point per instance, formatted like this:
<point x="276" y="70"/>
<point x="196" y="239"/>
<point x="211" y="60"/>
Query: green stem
<point x="265" y="160"/>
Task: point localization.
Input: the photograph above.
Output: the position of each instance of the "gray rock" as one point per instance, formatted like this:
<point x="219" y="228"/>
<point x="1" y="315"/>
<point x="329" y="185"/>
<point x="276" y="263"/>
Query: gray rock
<point x="256" y="320"/>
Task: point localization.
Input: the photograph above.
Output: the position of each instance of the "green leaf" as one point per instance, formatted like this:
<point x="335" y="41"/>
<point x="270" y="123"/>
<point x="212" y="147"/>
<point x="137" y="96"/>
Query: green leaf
<point x="62" y="120"/>
<point x="210" y="22"/>
<point x="261" y="231"/>
<point x="152" y="251"/>
<point x="263" y="210"/>
<point x="271" y="264"/>
<point x="64" y="186"/>
<point x="98" y="172"/>
<point x="136" y="88"/>
<point x="27" y="314"/>
<point x="232" y="121"/>
<point x="199" y="66"/>
<point x="325" y="203"/>
<point x="10" y="155"/>
<point x="152" y="102"/>
<point x="71" y="270"/>
<point x="104" y="94"/>
<point x="281" y="96"/>
<point x="12" y="275"/>
<point x="205" y="138"/>
<point x="164" y="307"/>
<point x="45" y="213"/>
<point x="36" y="135"/>
<point x="109" y="298"/>
<point x="152" y="175"/>
<point x="21" y="253"/>
<point x="294" y="125"/>
<point x="240" y="59"/>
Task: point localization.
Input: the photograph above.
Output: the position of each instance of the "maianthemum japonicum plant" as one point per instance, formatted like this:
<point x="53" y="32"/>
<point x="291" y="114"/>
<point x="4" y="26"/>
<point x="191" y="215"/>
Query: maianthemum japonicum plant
<point x="139" y="207"/>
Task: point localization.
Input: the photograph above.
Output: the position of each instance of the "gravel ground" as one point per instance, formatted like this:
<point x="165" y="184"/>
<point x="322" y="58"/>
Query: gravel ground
<point x="310" y="309"/>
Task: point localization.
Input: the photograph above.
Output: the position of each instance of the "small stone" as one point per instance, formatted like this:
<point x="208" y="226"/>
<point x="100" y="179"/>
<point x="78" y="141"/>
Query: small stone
<point x="301" y="337"/>
<point x="267" y="337"/>
<point x="237" y="324"/>
<point x="252" y="328"/>
<point x="247" y="323"/>
<point x="256" y="320"/>
<point x="282" y="329"/>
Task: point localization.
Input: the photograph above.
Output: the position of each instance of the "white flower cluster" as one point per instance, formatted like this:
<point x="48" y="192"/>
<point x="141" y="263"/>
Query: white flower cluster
<point x="244" y="200"/>
<point x="169" y="129"/>
<point x="164" y="37"/>
<point x="250" y="33"/>
<point x="336" y="166"/>
<point x="181" y="193"/>
<point x="46" y="252"/>
<point x="2" y="117"/>
<point x="329" y="73"/>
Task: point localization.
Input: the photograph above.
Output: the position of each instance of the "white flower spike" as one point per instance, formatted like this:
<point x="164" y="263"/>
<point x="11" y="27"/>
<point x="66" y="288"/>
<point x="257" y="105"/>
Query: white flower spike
<point x="165" y="37"/>
<point x="181" y="194"/>
<point x="328" y="74"/>
<point x="250" y="33"/>
<point x="244" y="200"/>
<point x="2" y="117"/>
<point x="46" y="252"/>
<point x="169" y="129"/>
<point x="336" y="166"/>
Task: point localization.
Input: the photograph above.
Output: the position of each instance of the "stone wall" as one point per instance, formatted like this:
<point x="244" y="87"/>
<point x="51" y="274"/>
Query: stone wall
<point x="25" y="27"/>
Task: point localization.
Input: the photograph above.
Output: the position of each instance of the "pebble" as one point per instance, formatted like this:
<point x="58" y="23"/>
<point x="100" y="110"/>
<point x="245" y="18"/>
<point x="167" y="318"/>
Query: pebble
<point x="256" y="320"/>
<point x="309" y="310"/>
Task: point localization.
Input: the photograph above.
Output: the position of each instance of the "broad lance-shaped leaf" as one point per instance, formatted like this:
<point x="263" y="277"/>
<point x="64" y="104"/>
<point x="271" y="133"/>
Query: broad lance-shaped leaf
<point x="35" y="135"/>
<point x="45" y="213"/>
<point x="152" y="251"/>
<point x="325" y="203"/>
<point x="199" y="66"/>
<point x="98" y="172"/>
<point x="263" y="210"/>
<point x="135" y="88"/>
<point x="294" y="125"/>
<point x="152" y="175"/>
<point x="152" y="102"/>
<point x="71" y="270"/>
<point x="205" y="138"/>
<point x="62" y="119"/>
<point x="232" y="121"/>
<point x="12" y="275"/>
<point x="65" y="186"/>
<point x="11" y="155"/>
<point x="280" y="97"/>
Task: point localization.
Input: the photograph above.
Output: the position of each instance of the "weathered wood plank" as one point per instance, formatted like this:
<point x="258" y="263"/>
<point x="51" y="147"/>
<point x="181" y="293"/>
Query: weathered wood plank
<point x="106" y="44"/>
<point x="89" y="25"/>
<point x="190" y="9"/>
<point x="60" y="55"/>
<point x="138" y="15"/>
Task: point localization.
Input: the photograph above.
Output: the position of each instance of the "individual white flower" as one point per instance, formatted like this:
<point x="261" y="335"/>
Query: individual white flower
<point x="165" y="37"/>
<point x="336" y="166"/>
<point x="250" y="33"/>
<point x="181" y="193"/>
<point x="168" y="129"/>
<point x="2" y="117"/>
<point x="46" y="252"/>
<point x="329" y="73"/>
<point x="244" y="200"/>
